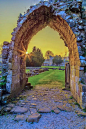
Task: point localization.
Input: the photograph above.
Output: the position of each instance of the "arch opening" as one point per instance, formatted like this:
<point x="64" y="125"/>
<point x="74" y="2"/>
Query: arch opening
<point x="48" y="40"/>
<point x="35" y="22"/>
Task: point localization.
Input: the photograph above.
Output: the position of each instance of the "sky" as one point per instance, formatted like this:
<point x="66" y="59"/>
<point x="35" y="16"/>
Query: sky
<point x="46" y="39"/>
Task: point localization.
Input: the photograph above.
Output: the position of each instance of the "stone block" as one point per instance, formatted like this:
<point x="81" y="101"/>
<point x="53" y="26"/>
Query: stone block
<point x="16" y="29"/>
<point x="15" y="53"/>
<point x="10" y="54"/>
<point x="13" y="33"/>
<point x="24" y="75"/>
<point x="80" y="87"/>
<point x="15" y="71"/>
<point x="13" y="38"/>
<point x="5" y="74"/>
<point x="83" y="62"/>
<point x="83" y="87"/>
<point x="82" y="95"/>
<point x="4" y="54"/>
<point x="8" y="87"/>
<point x="79" y="48"/>
<point x="81" y="74"/>
<point x="10" y="72"/>
<point x="15" y="65"/>
<point x="76" y="79"/>
<point x="77" y="73"/>
<point x="16" y="88"/>
<point x="5" y="43"/>
<point x="84" y="15"/>
<point x="81" y="68"/>
<point x="85" y="28"/>
<point x="5" y="61"/>
<point x="16" y="78"/>
<point x="12" y="44"/>
<point x="84" y="22"/>
<point x="5" y="66"/>
<point x="73" y="72"/>
<point x="78" y="98"/>
<point x="5" y="47"/>
<point x="9" y="65"/>
<point x="9" y="79"/>
<point x="10" y="57"/>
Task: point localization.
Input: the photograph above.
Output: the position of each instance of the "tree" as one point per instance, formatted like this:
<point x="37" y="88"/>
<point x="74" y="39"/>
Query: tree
<point x="36" y="59"/>
<point x="48" y="54"/>
<point x="57" y="60"/>
<point x="34" y="49"/>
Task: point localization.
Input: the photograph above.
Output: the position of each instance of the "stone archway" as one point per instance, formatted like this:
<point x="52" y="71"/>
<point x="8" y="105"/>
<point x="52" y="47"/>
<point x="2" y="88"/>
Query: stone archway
<point x="28" y="25"/>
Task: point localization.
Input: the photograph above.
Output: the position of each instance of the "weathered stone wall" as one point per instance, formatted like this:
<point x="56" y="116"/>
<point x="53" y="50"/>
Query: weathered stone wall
<point x="67" y="18"/>
<point x="83" y="58"/>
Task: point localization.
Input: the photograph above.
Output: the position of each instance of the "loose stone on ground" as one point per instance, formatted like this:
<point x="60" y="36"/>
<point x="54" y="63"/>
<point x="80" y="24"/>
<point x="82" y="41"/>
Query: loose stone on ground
<point x="11" y="105"/>
<point x="56" y="111"/>
<point x="7" y="109"/>
<point x="18" y="109"/>
<point x="19" y="117"/>
<point x="33" y="110"/>
<point x="44" y="110"/>
<point x="34" y="117"/>
<point x="33" y="105"/>
<point x="61" y="107"/>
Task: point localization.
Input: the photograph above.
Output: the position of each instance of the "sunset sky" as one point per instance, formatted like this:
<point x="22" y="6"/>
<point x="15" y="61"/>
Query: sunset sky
<point x="46" y="39"/>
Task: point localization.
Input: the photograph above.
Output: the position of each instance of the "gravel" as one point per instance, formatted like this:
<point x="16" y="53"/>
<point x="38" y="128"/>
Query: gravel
<point x="38" y="98"/>
<point x="63" y="120"/>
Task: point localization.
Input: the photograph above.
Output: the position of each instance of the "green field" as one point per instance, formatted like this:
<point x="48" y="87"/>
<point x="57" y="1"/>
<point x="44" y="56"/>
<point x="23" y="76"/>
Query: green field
<point x="48" y="77"/>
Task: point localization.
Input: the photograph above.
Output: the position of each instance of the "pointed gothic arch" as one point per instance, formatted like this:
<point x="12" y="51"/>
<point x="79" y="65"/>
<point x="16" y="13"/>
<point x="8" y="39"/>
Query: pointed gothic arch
<point x="28" y="25"/>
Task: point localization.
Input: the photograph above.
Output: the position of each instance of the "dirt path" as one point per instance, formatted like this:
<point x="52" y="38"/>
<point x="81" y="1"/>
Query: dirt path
<point x="43" y="107"/>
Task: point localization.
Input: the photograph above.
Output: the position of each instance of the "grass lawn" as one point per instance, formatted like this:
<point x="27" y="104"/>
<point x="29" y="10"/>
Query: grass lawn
<point x="27" y="70"/>
<point x="48" y="77"/>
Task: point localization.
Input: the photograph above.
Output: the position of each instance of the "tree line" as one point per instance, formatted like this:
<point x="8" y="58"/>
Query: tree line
<point x="36" y="59"/>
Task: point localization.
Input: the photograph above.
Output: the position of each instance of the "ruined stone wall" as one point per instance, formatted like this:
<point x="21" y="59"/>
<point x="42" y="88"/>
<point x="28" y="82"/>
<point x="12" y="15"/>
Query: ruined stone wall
<point x="83" y="58"/>
<point x="67" y="18"/>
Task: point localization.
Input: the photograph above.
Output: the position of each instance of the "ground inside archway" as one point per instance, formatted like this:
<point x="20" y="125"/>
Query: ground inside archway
<point x="51" y="107"/>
